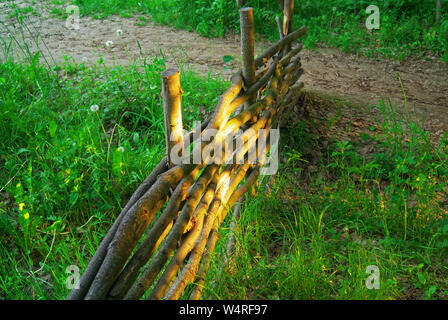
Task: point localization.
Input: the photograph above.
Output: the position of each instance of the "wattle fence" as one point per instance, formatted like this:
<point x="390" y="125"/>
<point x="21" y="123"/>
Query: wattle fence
<point x="163" y="238"/>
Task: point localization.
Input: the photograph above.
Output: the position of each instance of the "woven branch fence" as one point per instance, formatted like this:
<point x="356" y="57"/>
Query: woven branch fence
<point x="157" y="258"/>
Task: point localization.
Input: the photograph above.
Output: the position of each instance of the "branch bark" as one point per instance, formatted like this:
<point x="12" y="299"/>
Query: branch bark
<point x="288" y="12"/>
<point x="129" y="232"/>
<point x="248" y="49"/>
<point x="153" y="239"/>
<point x="159" y="260"/>
<point x="172" y="112"/>
<point x="274" y="49"/>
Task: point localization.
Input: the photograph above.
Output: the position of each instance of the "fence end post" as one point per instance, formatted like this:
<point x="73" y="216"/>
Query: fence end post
<point x="172" y="112"/>
<point x="248" y="47"/>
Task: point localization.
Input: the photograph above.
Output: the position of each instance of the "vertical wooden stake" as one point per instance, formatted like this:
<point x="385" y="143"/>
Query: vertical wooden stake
<point x="288" y="12"/>
<point x="172" y="112"/>
<point x="280" y="28"/>
<point x="248" y="48"/>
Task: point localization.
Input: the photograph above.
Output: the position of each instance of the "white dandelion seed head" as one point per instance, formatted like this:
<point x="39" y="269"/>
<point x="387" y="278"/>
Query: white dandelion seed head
<point x="334" y="8"/>
<point x="109" y="43"/>
<point x="94" y="108"/>
<point x="119" y="32"/>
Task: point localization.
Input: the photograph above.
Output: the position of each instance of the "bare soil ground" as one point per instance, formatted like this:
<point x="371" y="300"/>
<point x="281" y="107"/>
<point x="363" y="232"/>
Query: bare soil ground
<point x="353" y="78"/>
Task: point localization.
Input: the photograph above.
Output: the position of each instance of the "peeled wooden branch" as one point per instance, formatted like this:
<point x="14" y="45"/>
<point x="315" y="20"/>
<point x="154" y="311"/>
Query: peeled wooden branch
<point x="253" y="89"/>
<point x="288" y="12"/>
<point x="172" y="110"/>
<point x="250" y="181"/>
<point x="154" y="296"/>
<point x="292" y="66"/>
<point x="196" y="207"/>
<point x="186" y="246"/>
<point x="296" y="76"/>
<point x="233" y="125"/>
<point x="159" y="260"/>
<point x="293" y="92"/>
<point x="248" y="48"/>
<point x="95" y="263"/>
<point x="190" y="270"/>
<point x="129" y="232"/>
<point x="250" y="145"/>
<point x="291" y="55"/>
<point x="209" y="249"/>
<point x="151" y="242"/>
<point x="271" y="51"/>
<point x="280" y="27"/>
<point x="187" y="273"/>
<point x="261" y="73"/>
<point x="218" y="205"/>
<point x="290" y="99"/>
<point x="223" y="111"/>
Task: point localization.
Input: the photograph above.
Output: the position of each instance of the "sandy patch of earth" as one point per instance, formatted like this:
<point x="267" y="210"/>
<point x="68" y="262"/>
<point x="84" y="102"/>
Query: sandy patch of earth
<point x="331" y="71"/>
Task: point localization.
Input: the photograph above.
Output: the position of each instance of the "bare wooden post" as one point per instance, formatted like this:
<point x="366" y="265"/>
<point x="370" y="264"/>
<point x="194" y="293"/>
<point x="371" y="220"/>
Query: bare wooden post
<point x="248" y="49"/>
<point x="280" y="28"/>
<point x="288" y="12"/>
<point x="172" y="112"/>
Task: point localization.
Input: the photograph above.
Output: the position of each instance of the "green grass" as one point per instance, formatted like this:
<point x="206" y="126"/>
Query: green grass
<point x="334" y="210"/>
<point x="407" y="28"/>
<point x="66" y="170"/>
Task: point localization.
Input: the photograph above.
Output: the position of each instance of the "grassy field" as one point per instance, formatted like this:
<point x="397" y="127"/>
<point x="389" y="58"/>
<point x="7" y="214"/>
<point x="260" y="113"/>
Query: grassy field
<point x="407" y="28"/>
<point x="77" y="140"/>
<point x="335" y="209"/>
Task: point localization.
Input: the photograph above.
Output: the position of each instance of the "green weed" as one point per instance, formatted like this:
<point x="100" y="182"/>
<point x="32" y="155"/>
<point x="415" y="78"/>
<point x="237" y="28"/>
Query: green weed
<point x="313" y="233"/>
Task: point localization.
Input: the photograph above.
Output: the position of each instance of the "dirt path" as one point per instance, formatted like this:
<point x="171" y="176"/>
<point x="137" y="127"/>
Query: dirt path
<point x="328" y="70"/>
